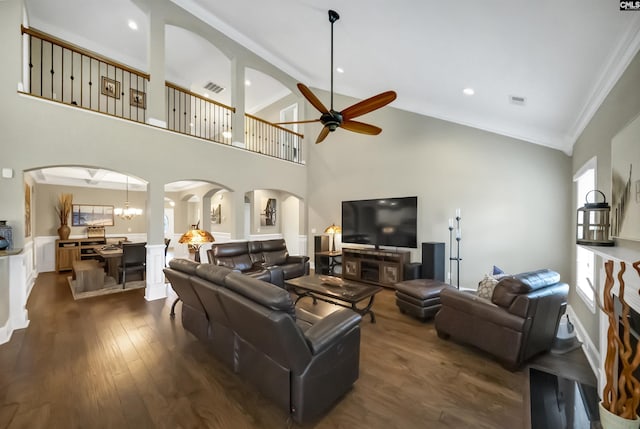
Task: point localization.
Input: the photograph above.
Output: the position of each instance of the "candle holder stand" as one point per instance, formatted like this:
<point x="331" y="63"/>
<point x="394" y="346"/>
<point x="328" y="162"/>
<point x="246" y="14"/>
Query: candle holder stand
<point x="456" y="258"/>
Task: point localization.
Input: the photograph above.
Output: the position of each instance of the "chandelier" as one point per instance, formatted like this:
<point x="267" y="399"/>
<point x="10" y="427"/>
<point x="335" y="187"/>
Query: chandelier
<point x="127" y="212"/>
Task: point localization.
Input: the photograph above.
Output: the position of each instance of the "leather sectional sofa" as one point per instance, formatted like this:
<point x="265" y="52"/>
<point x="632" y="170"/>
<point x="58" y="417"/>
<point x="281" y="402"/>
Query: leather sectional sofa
<point x="267" y="260"/>
<point x="518" y="323"/>
<point x="301" y="362"/>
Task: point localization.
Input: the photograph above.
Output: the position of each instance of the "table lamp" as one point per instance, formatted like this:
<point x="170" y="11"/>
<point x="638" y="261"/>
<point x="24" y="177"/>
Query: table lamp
<point x="196" y="238"/>
<point x="333" y="230"/>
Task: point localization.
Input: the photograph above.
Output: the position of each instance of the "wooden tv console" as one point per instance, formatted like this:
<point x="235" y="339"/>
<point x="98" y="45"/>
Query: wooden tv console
<point x="379" y="267"/>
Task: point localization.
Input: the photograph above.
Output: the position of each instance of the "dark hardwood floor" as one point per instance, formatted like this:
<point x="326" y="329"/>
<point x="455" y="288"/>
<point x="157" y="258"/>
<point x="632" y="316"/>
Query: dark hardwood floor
<point x="119" y="361"/>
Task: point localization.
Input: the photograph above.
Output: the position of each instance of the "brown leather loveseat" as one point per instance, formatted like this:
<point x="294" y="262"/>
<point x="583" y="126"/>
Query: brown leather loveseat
<point x="253" y="327"/>
<point x="267" y="260"/>
<point x="518" y="323"/>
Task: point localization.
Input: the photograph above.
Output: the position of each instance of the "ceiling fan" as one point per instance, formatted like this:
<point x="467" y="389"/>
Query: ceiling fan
<point x="332" y="119"/>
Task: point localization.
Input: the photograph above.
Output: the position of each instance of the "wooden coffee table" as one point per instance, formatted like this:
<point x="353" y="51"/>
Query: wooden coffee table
<point x="347" y="295"/>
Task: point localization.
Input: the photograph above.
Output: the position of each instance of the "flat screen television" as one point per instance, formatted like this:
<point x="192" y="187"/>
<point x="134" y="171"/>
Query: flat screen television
<point x="381" y="222"/>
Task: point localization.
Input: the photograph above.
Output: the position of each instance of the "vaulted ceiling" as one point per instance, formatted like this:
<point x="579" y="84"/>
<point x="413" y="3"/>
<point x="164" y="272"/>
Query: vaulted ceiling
<point x="539" y="69"/>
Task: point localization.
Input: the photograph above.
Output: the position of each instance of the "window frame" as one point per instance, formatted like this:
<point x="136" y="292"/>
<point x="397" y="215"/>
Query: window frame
<point x="579" y="200"/>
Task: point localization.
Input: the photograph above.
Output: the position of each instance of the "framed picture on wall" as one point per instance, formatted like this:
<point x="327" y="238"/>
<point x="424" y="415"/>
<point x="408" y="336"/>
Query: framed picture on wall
<point x="137" y="98"/>
<point x="91" y="215"/>
<point x="110" y="87"/>
<point x="27" y="210"/>
<point x="268" y="214"/>
<point x="216" y="215"/>
<point x="625" y="183"/>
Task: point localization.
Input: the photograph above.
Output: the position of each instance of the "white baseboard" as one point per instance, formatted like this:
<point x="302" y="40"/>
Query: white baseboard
<point x="5" y="332"/>
<point x="588" y="347"/>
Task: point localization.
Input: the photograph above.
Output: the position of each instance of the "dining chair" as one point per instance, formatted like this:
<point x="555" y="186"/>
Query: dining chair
<point x="166" y="247"/>
<point x="134" y="260"/>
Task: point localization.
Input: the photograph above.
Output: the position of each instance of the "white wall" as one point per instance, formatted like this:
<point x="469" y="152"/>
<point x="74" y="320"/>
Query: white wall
<point x="514" y="195"/>
<point x="620" y="107"/>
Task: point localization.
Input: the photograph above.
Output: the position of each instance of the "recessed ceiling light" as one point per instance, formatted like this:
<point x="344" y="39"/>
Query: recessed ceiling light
<point x="339" y="69"/>
<point x="247" y="82"/>
<point x="468" y="91"/>
<point x="133" y="25"/>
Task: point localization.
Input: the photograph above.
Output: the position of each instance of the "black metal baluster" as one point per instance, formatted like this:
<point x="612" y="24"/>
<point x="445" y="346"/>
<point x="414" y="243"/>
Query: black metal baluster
<point x="41" y="67"/>
<point x="212" y="111"/>
<point x="62" y="76"/>
<point x="30" y="65"/>
<point x="90" y="84"/>
<point x="71" y="77"/>
<point x="143" y="99"/>
<point x="131" y="97"/>
<point x="51" y="70"/>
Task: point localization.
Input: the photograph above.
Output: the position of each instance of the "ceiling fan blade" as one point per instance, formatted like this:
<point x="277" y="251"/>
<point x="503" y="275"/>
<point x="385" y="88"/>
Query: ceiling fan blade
<point x="323" y="135"/>
<point x="312" y="98"/>
<point x="298" y="122"/>
<point x="361" y="127"/>
<point x="368" y="105"/>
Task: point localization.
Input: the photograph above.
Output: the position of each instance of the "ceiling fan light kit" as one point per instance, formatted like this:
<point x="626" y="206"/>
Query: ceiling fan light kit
<point x="332" y="119"/>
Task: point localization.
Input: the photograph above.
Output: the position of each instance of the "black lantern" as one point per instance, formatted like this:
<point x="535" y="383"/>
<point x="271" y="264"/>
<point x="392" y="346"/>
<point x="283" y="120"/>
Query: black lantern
<point x="592" y="226"/>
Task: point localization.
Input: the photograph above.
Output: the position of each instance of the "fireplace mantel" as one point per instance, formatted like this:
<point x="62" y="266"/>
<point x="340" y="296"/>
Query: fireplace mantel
<point x="627" y="252"/>
<point x="621" y="253"/>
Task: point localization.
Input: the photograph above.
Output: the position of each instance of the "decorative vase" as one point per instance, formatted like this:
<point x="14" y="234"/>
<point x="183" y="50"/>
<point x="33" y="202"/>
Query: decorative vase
<point x="608" y="420"/>
<point x="7" y="234"/>
<point x="4" y="243"/>
<point x="64" y="232"/>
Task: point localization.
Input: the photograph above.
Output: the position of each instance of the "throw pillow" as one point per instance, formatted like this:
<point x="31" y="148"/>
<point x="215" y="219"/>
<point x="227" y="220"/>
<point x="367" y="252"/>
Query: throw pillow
<point x="497" y="271"/>
<point x="486" y="286"/>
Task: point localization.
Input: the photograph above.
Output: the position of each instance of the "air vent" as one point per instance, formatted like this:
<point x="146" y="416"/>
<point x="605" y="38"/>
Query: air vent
<point x="516" y="99"/>
<point x="215" y="88"/>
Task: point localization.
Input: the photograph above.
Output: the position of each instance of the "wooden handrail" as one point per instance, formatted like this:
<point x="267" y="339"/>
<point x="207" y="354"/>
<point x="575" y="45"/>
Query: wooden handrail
<point x="274" y="125"/>
<point x="193" y="94"/>
<point x="47" y="37"/>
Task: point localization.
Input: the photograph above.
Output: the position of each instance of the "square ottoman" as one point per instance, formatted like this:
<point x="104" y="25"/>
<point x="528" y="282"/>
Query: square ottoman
<point x="420" y="297"/>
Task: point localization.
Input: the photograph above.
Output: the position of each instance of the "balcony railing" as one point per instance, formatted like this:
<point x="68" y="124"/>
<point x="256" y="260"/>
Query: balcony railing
<point x="68" y="74"/>
<point x="264" y="137"/>
<point x="192" y="114"/>
<point x="63" y="72"/>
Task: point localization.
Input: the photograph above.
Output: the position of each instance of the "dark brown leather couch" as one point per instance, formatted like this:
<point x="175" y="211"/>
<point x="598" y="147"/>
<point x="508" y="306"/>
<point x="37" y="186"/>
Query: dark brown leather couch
<point x="267" y="260"/>
<point x="518" y="323"/>
<point x="303" y="364"/>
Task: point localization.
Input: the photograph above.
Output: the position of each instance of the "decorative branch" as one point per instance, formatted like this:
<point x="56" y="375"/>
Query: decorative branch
<point x="63" y="207"/>
<point x="609" y="394"/>
<point x="621" y="396"/>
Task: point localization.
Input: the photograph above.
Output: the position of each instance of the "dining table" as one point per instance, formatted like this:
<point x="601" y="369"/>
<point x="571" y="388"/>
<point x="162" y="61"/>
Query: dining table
<point x="112" y="256"/>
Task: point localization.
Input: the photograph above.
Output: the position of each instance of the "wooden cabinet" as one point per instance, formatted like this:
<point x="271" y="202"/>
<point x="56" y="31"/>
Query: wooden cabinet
<point x="68" y="251"/>
<point x="65" y="255"/>
<point x="380" y="267"/>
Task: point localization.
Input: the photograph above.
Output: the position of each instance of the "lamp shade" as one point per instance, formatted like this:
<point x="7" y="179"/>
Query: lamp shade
<point x="196" y="237"/>
<point x="333" y="229"/>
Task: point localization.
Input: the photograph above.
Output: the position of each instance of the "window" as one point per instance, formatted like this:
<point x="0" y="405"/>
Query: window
<point x="585" y="180"/>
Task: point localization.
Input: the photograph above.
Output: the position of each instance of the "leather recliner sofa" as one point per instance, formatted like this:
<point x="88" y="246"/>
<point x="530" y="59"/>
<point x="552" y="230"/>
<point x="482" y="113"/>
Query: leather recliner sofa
<point x="518" y="323"/>
<point x="267" y="260"/>
<point x="304" y="366"/>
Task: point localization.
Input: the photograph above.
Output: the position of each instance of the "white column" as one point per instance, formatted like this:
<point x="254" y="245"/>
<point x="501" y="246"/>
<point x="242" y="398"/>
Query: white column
<point x="156" y="103"/>
<point x="156" y="288"/>
<point x="237" y="101"/>
<point x="236" y="215"/>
